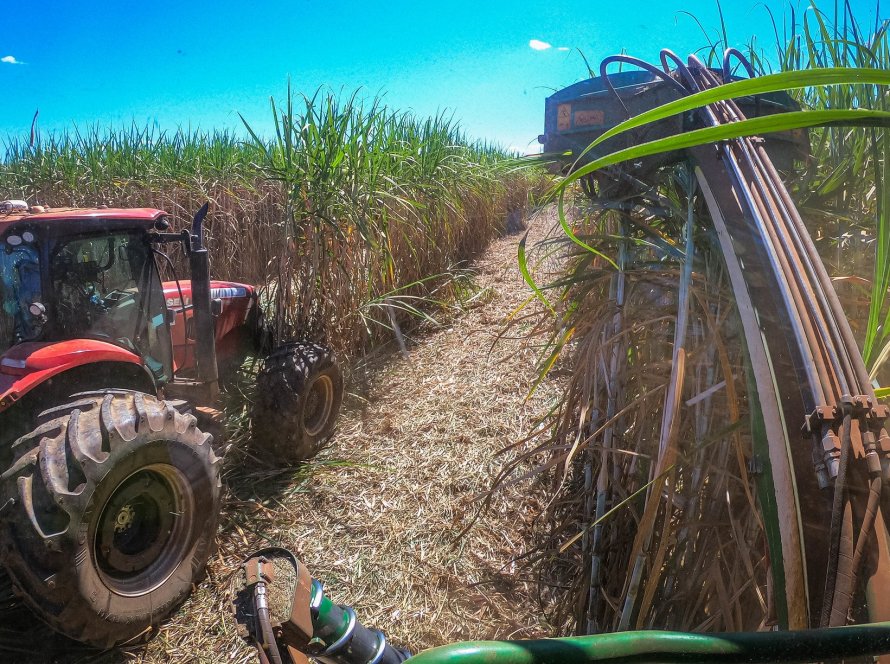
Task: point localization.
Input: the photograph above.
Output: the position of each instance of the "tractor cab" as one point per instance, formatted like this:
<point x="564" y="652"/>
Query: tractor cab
<point x="81" y="289"/>
<point x="85" y="276"/>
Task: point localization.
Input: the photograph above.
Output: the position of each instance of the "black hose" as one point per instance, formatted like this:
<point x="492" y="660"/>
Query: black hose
<point x="846" y="368"/>
<point x="264" y="622"/>
<point x="694" y="62"/>
<point x="837" y="513"/>
<point x="854" y="369"/>
<point x="845" y="578"/>
<point x="667" y="54"/>
<point x="832" y="303"/>
<point x="642" y="64"/>
<point x="268" y="636"/>
<point x="843" y="601"/>
<point x="845" y="559"/>
<point x="798" y="296"/>
<point x="730" y="53"/>
<point x="793" y="296"/>
<point x="868" y="520"/>
<point x="843" y="597"/>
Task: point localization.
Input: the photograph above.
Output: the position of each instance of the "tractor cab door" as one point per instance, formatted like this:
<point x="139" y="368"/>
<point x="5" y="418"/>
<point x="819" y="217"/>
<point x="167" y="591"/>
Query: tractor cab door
<point x="19" y="289"/>
<point x="106" y="286"/>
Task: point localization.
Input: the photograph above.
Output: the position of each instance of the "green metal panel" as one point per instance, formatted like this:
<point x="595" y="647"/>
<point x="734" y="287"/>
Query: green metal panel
<point x="658" y="646"/>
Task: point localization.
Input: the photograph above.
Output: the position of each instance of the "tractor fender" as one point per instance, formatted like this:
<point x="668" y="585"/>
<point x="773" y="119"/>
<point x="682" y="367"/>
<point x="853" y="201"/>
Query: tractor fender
<point x="27" y="366"/>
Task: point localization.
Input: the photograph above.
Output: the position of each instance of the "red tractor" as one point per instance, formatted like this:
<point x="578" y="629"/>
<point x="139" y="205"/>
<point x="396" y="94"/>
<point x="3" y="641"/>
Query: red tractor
<point x="109" y="493"/>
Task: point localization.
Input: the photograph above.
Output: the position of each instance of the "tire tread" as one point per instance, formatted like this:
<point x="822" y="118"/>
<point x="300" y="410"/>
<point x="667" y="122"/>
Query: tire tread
<point x="52" y="484"/>
<point x="278" y="432"/>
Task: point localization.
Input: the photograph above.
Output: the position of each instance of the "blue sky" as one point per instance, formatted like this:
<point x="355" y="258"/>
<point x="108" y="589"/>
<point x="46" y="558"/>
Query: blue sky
<point x="199" y="64"/>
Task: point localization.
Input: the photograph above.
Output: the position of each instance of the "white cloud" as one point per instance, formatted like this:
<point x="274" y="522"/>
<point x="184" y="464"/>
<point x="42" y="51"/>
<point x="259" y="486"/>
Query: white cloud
<point x="10" y="60"/>
<point x="563" y="48"/>
<point x="539" y="45"/>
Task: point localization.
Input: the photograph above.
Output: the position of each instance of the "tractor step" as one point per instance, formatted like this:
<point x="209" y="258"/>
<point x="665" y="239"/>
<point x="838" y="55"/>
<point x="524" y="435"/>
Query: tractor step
<point x="190" y="390"/>
<point x="211" y="420"/>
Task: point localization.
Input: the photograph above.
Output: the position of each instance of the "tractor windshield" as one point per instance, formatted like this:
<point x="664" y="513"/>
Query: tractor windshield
<point x="19" y="289"/>
<point x="107" y="287"/>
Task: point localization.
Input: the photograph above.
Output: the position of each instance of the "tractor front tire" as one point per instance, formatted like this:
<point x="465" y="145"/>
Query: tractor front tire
<point x="299" y="394"/>
<point x="110" y="514"/>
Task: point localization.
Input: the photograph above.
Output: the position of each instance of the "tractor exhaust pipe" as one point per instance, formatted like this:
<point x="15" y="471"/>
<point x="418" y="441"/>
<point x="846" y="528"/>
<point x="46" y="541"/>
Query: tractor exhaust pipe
<point x="205" y="334"/>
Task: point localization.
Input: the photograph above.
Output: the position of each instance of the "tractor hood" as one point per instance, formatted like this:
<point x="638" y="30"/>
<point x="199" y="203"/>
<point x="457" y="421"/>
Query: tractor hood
<point x="25" y="366"/>
<point x="223" y="290"/>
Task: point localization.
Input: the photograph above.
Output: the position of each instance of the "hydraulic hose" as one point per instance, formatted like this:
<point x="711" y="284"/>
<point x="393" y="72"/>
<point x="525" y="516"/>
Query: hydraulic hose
<point x="264" y="623"/>
<point x="811" y="292"/>
<point x="848" y="341"/>
<point x="868" y="521"/>
<point x="829" y="374"/>
<point x="817" y="307"/>
<point x="844" y="577"/>
<point x="839" y="346"/>
<point x="853" y="368"/>
<point x="844" y="601"/>
<point x="642" y="64"/>
<point x="848" y="573"/>
<point x="731" y="53"/>
<point x="667" y="54"/>
<point x="799" y="313"/>
<point x="837" y="514"/>
<point x="300" y="616"/>
<point x="801" y="319"/>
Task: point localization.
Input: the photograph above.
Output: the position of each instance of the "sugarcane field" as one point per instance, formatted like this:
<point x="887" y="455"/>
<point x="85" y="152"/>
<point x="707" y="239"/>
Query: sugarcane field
<point x="504" y="333"/>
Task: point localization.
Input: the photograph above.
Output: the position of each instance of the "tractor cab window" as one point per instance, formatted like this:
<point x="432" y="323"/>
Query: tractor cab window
<point x="107" y="287"/>
<point x="19" y="290"/>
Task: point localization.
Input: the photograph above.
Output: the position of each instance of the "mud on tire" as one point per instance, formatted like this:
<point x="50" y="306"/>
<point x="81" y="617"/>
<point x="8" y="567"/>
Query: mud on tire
<point x="110" y="514"/>
<point x="299" y="393"/>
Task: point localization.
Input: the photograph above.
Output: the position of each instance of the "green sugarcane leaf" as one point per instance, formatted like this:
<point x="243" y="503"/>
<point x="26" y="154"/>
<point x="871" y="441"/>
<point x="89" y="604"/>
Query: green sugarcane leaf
<point x="523" y="269"/>
<point x="733" y="130"/>
<point x="564" y="222"/>
<point x="881" y="278"/>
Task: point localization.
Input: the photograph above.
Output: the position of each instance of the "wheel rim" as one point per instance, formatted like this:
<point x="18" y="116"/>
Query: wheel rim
<point x="319" y="402"/>
<point x="144" y="530"/>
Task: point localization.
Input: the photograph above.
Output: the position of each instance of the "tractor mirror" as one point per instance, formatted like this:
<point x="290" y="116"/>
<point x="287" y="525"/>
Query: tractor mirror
<point x="216" y="306"/>
<point x="171" y="317"/>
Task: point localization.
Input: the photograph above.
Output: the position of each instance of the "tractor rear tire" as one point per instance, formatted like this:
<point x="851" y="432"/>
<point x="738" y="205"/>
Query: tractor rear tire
<point x="299" y="394"/>
<point x="110" y="514"/>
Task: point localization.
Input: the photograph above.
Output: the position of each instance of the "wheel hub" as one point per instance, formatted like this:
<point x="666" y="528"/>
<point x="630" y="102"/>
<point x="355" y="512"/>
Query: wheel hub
<point x="124" y="519"/>
<point x="144" y="529"/>
<point x="319" y="402"/>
